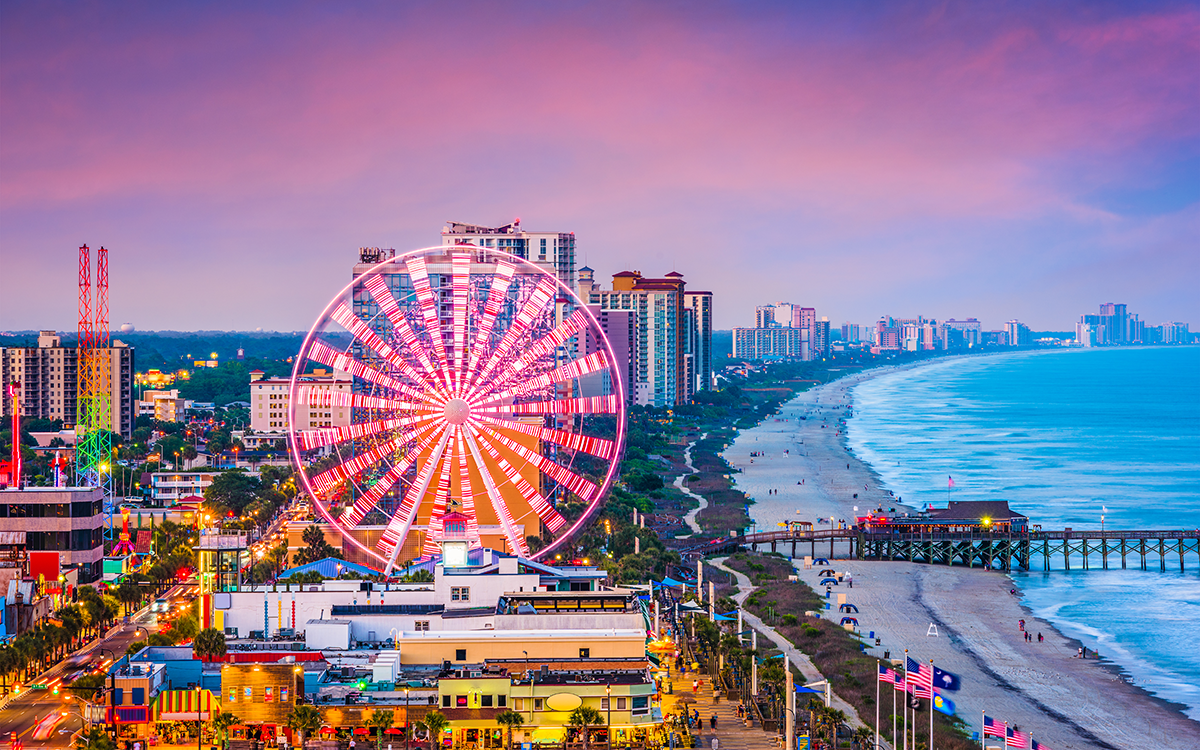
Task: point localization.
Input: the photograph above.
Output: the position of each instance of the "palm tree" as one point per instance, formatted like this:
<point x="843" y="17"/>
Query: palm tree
<point x="209" y="644"/>
<point x="435" y="723"/>
<point x="380" y="720"/>
<point x="510" y="720"/>
<point x="222" y="722"/>
<point x="584" y="718"/>
<point x="304" y="720"/>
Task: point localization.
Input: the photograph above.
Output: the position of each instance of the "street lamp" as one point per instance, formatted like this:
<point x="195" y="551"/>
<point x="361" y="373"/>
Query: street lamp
<point x="407" y="723"/>
<point x="199" y="719"/>
<point x="608" y="705"/>
<point x="112" y="690"/>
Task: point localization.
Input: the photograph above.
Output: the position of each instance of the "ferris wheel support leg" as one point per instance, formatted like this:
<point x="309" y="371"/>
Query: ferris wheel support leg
<point x="412" y="513"/>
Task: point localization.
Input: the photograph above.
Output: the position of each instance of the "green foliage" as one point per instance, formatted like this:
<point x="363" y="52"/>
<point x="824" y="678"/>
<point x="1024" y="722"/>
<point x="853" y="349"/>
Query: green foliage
<point x="233" y="490"/>
<point x="87" y="686"/>
<point x="317" y="549"/>
<point x="304" y="719"/>
<point x="435" y="723"/>
<point x="209" y="644"/>
<point x="96" y="739"/>
<point x="788" y="619"/>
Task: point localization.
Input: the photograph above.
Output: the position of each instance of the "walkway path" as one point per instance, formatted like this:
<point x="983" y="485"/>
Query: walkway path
<point x="731" y="734"/>
<point x="794" y="655"/>
<point x="690" y="518"/>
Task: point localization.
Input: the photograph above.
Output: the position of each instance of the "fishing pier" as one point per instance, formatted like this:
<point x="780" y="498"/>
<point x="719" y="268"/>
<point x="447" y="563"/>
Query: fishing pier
<point x="976" y="535"/>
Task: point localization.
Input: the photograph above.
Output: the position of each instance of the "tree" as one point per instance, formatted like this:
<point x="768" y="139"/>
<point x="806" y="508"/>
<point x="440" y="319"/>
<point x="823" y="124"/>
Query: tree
<point x="317" y="549"/>
<point x="435" y="723"/>
<point x="96" y="739"/>
<point x="87" y="686"/>
<point x="510" y="720"/>
<point x="304" y="719"/>
<point x="209" y="644"/>
<point x="232" y="489"/>
<point x="222" y="722"/>
<point x="583" y="719"/>
<point x="381" y="720"/>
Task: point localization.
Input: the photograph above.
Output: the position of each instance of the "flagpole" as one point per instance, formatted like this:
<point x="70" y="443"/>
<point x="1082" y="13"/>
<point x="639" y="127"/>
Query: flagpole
<point x="906" y="700"/>
<point x="878" y="666"/>
<point x="895" y="745"/>
<point x="931" y="704"/>
<point x="983" y="730"/>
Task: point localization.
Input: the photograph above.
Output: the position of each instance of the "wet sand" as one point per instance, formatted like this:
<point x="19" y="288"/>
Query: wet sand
<point x="1041" y="687"/>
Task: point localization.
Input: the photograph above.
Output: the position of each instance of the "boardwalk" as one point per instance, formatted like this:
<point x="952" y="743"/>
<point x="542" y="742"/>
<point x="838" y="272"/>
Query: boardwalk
<point x="1078" y="549"/>
<point x="730" y="733"/>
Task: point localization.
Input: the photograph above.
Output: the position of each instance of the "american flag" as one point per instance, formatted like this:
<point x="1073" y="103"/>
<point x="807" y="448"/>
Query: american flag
<point x="951" y="482"/>
<point x="900" y="683"/>
<point x="993" y="728"/>
<point x="919" y="691"/>
<point x="1035" y="745"/>
<point x="887" y="674"/>
<point x="1013" y="738"/>
<point x="920" y="674"/>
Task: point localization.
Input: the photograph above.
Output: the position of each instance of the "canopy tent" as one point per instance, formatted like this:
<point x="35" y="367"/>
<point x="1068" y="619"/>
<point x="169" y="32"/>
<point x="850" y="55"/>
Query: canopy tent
<point x="829" y="581"/>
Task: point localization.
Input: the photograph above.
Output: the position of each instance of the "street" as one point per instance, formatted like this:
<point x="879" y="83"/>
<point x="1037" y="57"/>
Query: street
<point x="23" y="713"/>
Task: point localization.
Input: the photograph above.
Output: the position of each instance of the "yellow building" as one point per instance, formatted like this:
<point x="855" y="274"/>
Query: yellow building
<point x="476" y="646"/>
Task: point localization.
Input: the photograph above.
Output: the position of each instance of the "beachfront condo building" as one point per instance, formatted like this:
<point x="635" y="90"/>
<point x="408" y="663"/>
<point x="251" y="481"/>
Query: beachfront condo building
<point x="783" y="330"/>
<point x="671" y="357"/>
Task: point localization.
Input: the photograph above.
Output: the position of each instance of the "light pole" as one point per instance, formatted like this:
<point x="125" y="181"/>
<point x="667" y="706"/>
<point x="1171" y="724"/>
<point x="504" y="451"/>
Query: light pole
<point x="608" y="704"/>
<point x="532" y="685"/>
<point x="112" y="690"/>
<point x="199" y="718"/>
<point x="407" y="724"/>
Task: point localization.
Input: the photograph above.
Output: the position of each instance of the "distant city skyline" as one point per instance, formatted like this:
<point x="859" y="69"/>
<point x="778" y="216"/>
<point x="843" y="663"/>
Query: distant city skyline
<point x="999" y="161"/>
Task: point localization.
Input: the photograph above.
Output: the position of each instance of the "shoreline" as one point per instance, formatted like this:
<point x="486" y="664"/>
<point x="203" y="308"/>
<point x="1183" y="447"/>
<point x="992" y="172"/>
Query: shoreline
<point x="1068" y="703"/>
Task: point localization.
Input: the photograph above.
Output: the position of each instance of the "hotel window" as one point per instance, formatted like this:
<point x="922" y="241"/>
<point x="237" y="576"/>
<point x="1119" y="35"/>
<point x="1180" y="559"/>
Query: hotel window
<point x="460" y="654"/>
<point x="421" y="626"/>
<point x="445" y="701"/>
<point x="460" y="701"/>
<point x="485" y="701"/>
<point x="585" y="653"/>
<point x="621" y="704"/>
<point x="460" y="594"/>
<point x="604" y="704"/>
<point x="537" y="704"/>
<point x="501" y="700"/>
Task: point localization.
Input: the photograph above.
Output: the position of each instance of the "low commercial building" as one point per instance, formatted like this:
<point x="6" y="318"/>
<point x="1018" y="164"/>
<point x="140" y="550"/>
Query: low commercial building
<point x="170" y="486"/>
<point x="67" y="520"/>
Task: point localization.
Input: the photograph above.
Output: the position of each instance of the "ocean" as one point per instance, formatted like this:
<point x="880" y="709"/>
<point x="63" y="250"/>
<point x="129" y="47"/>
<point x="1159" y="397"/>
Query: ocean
<point x="1070" y="438"/>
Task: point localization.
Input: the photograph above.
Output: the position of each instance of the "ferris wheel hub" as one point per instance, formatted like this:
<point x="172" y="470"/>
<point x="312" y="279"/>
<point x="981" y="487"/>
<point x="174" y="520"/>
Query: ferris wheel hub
<point x="457" y="411"/>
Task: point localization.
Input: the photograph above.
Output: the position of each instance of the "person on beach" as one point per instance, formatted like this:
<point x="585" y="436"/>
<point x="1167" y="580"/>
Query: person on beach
<point x="1039" y="637"/>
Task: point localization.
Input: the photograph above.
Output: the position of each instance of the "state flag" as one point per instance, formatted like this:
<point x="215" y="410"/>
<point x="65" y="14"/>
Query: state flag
<point x="943" y="680"/>
<point x="943" y="704"/>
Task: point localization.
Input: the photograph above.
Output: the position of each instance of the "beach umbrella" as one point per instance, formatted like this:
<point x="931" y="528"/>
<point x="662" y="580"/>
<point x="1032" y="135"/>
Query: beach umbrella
<point x="361" y="730"/>
<point x="327" y="729"/>
<point x="393" y="730"/>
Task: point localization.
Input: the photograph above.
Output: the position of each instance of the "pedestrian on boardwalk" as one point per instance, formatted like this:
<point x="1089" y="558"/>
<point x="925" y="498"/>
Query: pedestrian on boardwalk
<point x="712" y="721"/>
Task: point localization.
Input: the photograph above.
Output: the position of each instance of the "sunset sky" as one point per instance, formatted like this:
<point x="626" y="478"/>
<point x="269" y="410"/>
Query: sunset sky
<point x="995" y="160"/>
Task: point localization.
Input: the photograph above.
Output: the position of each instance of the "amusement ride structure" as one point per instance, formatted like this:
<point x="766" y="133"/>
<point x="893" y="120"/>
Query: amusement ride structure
<point x="93" y="419"/>
<point x="486" y="407"/>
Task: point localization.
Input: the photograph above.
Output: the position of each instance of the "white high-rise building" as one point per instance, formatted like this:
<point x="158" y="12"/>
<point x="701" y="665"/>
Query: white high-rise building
<point x="554" y="251"/>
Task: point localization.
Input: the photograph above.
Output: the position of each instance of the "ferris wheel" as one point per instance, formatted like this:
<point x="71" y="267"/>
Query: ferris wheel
<point x="479" y="402"/>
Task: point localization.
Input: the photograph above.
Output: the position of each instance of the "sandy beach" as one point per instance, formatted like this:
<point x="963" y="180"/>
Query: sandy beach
<point x="1041" y="687"/>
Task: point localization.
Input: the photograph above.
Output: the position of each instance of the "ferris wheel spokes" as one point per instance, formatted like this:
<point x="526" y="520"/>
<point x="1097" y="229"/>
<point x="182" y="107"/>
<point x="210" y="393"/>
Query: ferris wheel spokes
<point x="515" y="541"/>
<point x="593" y="446"/>
<point x="409" y="338"/>
<point x="534" y="306"/>
<point x="545" y="345"/>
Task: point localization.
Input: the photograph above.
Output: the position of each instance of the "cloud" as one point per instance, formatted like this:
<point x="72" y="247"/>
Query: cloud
<point x="851" y="139"/>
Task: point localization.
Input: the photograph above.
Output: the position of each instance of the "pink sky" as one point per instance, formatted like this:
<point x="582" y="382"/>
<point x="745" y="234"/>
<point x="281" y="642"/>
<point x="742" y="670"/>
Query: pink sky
<point x="994" y="160"/>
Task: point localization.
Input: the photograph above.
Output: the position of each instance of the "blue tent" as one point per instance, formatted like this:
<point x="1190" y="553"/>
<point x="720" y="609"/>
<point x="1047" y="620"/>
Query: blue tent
<point x="832" y="581"/>
<point x="330" y="568"/>
<point x="673" y="583"/>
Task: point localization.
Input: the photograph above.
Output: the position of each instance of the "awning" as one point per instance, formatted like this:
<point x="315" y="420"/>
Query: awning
<point x="185" y="705"/>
